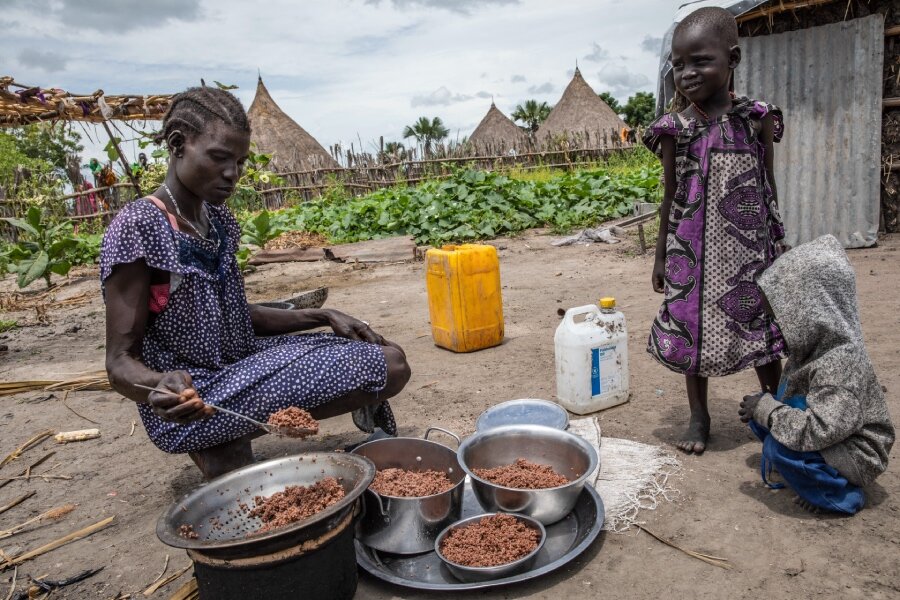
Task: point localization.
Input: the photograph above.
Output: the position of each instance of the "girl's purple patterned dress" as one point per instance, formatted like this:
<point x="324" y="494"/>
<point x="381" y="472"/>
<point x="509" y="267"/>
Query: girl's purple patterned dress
<point x="723" y="226"/>
<point x="205" y="329"/>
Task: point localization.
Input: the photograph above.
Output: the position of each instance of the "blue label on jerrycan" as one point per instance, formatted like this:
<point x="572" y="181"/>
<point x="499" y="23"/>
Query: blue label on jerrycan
<point x="599" y="355"/>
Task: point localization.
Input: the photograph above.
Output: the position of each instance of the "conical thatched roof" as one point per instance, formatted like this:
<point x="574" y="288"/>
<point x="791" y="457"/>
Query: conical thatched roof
<point x="275" y="132"/>
<point x="581" y="117"/>
<point x="497" y="134"/>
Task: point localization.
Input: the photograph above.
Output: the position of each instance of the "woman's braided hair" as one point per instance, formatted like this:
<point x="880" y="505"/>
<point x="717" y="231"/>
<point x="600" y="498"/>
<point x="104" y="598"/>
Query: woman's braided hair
<point x="195" y="108"/>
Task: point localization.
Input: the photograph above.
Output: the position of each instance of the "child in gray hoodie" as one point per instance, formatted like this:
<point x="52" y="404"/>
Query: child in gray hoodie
<point x="827" y="431"/>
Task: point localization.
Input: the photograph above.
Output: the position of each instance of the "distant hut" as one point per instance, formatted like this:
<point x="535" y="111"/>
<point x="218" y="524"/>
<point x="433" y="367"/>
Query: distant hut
<point x="276" y="133"/>
<point x="581" y="119"/>
<point x="497" y="135"/>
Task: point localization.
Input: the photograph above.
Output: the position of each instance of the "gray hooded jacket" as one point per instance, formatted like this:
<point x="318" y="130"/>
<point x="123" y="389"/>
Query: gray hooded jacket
<point x="812" y="291"/>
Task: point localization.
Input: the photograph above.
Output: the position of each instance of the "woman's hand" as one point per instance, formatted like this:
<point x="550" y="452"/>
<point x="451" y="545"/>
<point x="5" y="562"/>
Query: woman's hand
<point x="354" y="329"/>
<point x="781" y="248"/>
<point x="658" y="278"/>
<point x="183" y="405"/>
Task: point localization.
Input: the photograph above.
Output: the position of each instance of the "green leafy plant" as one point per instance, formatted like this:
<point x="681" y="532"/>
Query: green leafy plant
<point x="86" y="249"/>
<point x="43" y="249"/>
<point x="7" y="325"/>
<point x="260" y="228"/>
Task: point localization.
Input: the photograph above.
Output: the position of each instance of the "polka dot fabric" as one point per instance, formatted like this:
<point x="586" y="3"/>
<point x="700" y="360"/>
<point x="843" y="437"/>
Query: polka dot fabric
<point x="205" y="329"/>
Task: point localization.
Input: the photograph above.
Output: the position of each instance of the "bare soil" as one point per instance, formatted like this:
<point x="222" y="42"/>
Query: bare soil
<point x="723" y="509"/>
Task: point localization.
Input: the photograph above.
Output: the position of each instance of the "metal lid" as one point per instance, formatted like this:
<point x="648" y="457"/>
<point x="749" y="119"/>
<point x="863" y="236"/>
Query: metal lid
<point x="526" y="411"/>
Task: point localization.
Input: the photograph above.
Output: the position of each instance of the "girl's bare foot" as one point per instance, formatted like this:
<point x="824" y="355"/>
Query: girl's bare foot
<point x="805" y="505"/>
<point x="696" y="436"/>
<point x="223" y="458"/>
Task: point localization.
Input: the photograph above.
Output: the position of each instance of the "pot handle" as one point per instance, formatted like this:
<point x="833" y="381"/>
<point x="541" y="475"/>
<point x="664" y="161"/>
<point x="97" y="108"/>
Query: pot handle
<point x="450" y="433"/>
<point x="382" y="513"/>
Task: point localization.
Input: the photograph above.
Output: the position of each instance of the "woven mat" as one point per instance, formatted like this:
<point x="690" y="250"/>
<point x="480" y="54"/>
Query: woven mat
<point x="632" y="476"/>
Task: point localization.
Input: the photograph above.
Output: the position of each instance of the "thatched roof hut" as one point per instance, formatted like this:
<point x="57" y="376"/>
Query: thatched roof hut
<point x="497" y="135"/>
<point x="275" y="132"/>
<point x="581" y="119"/>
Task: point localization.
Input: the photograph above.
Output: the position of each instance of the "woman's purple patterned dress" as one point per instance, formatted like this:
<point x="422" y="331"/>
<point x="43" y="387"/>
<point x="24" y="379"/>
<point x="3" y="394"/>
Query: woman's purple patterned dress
<point x="723" y="226"/>
<point x="205" y="329"/>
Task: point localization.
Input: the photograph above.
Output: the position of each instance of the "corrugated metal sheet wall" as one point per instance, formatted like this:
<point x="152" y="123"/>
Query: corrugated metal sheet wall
<point x="827" y="80"/>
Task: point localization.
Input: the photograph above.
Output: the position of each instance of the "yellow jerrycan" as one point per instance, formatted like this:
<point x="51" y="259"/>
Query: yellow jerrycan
<point x="464" y="297"/>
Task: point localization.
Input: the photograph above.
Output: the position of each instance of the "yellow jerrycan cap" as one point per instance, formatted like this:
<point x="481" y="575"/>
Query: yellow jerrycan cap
<point x="608" y="302"/>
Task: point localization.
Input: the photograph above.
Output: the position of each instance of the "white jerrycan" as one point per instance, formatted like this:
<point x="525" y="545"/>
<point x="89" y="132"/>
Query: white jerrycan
<point x="592" y="358"/>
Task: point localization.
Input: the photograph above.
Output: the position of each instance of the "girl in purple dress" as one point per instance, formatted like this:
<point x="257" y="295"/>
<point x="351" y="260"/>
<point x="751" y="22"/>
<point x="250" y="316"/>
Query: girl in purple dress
<point x="719" y="221"/>
<point x="177" y="317"/>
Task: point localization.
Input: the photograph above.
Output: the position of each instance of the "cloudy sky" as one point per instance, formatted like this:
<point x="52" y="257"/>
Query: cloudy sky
<point x="344" y="69"/>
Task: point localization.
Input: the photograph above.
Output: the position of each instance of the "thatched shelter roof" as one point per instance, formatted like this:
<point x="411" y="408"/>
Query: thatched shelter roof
<point x="275" y="132"/>
<point x="23" y="104"/>
<point x="497" y="134"/>
<point x="581" y="117"/>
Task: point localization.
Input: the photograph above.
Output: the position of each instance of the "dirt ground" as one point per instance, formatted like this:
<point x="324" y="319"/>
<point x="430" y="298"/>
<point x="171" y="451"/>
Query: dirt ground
<point x="722" y="509"/>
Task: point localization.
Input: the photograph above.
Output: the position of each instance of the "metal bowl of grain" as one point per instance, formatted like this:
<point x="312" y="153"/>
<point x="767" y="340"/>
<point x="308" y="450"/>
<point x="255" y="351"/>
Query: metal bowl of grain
<point x="567" y="454"/>
<point x="485" y="548"/>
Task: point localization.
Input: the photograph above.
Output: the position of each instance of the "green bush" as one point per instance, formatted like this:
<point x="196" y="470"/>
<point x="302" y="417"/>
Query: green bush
<point x="474" y="204"/>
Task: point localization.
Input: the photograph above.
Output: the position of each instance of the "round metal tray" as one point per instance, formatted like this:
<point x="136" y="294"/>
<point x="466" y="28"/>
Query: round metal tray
<point x="566" y="539"/>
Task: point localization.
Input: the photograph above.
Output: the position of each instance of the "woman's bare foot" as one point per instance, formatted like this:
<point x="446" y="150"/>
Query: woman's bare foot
<point x="805" y="505"/>
<point x="223" y="458"/>
<point x="696" y="436"/>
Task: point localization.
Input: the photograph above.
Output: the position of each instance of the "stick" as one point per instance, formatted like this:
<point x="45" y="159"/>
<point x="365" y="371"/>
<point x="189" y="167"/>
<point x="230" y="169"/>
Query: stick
<point x="125" y="165"/>
<point x="13" y="586"/>
<point x="43" y="476"/>
<point x="188" y="591"/>
<point x="716" y="561"/>
<point x="56" y="513"/>
<point x="133" y="424"/>
<point x="35" y="440"/>
<point x="163" y="572"/>
<point x="72" y="537"/>
<point x="27" y="471"/>
<point x="17" y="502"/>
<point x="152" y="589"/>
<point x="65" y="396"/>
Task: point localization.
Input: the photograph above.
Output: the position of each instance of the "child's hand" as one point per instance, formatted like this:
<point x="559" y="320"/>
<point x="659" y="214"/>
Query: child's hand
<point x="658" y="278"/>
<point x="781" y="248"/>
<point x="748" y="406"/>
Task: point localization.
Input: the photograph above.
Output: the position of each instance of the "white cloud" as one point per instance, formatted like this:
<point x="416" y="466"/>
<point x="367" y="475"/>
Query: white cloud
<point x="620" y="80"/>
<point x="444" y="97"/>
<point x="544" y="88"/>
<point x="652" y="44"/>
<point x="343" y="69"/>
<point x="598" y="53"/>
<point x="45" y="61"/>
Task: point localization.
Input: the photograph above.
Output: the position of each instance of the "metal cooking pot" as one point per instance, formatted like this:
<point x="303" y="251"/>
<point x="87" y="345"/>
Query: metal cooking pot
<point x="567" y="453"/>
<point x="224" y="530"/>
<point x="410" y="525"/>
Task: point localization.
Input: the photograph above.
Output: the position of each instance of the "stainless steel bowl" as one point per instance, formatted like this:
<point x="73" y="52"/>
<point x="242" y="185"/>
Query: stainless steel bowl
<point x="525" y="411"/>
<point x="473" y="574"/>
<point x="567" y="453"/>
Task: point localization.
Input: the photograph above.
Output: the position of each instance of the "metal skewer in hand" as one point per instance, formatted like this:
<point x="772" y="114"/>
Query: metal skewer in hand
<point x="284" y="430"/>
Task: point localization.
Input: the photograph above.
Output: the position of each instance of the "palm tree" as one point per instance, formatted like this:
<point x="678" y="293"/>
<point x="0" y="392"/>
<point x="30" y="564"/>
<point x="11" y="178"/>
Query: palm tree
<point x="393" y="150"/>
<point x="532" y="113"/>
<point x="426" y="132"/>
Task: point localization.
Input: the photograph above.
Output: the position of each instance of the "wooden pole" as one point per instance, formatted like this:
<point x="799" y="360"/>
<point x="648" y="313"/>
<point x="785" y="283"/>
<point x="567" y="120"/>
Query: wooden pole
<point x="892" y="31"/>
<point x="891" y="103"/>
<point x="125" y="165"/>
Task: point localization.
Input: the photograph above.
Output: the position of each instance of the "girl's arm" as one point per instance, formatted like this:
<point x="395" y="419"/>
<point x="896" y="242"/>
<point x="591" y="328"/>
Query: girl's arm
<point x="667" y="146"/>
<point x="277" y="321"/>
<point x="127" y="295"/>
<point x="767" y="136"/>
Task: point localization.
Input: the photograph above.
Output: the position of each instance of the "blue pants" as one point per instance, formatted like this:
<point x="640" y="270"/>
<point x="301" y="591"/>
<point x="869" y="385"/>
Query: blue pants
<point x="808" y="475"/>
